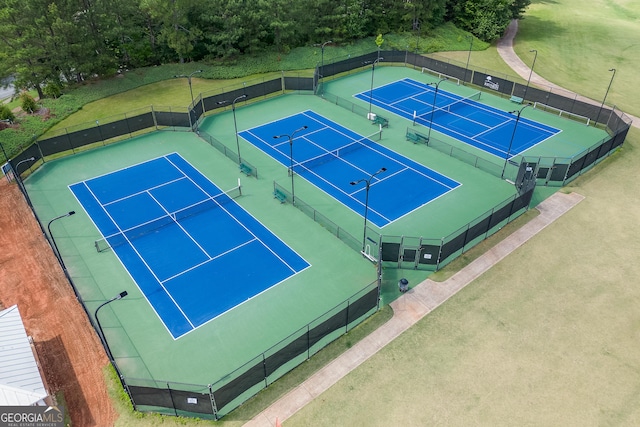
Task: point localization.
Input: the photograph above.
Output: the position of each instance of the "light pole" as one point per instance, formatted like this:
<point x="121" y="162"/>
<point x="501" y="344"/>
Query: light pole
<point x="322" y="56"/>
<point x="524" y="96"/>
<point x="468" y="57"/>
<point x="433" y="106"/>
<point x="19" y="179"/>
<point x="100" y="331"/>
<point x="53" y="241"/>
<point x="17" y="172"/>
<point x="373" y="69"/>
<point x="513" y="134"/>
<point x="189" y="78"/>
<point x="606" y="93"/>
<point x="366" y="202"/>
<point x="290" y="136"/>
<point x="235" y="123"/>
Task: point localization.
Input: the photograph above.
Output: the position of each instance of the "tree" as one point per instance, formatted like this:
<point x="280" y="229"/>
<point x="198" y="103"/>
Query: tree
<point x="486" y="19"/>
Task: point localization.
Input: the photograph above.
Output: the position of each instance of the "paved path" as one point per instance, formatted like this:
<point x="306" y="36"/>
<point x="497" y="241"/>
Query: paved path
<point x="505" y="49"/>
<point x="407" y="310"/>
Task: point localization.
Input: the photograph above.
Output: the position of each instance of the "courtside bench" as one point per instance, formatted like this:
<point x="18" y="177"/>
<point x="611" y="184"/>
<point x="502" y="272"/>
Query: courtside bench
<point x="516" y="99"/>
<point x="279" y="195"/>
<point x="245" y="169"/>
<point x="416" y="138"/>
<point x="383" y="122"/>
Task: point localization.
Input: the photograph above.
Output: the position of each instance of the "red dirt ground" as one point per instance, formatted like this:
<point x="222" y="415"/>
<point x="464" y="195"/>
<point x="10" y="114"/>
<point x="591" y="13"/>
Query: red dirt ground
<point x="69" y="349"/>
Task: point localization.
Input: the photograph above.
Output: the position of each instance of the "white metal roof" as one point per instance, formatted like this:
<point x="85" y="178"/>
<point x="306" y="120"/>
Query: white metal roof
<point x="20" y="381"/>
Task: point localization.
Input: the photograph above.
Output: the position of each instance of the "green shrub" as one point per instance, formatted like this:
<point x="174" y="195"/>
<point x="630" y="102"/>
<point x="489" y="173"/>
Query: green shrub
<point x="28" y="104"/>
<point x="53" y="90"/>
<point x="6" y="114"/>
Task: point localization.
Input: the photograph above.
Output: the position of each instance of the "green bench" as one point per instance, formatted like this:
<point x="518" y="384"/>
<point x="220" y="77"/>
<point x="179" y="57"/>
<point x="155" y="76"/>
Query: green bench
<point x="516" y="99"/>
<point x="416" y="138"/>
<point x="379" y="120"/>
<point x="279" y="195"/>
<point x="245" y="169"/>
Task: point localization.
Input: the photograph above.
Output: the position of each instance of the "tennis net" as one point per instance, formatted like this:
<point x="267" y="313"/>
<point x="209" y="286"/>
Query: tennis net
<point x="447" y="108"/>
<point x="337" y="153"/>
<point x="128" y="235"/>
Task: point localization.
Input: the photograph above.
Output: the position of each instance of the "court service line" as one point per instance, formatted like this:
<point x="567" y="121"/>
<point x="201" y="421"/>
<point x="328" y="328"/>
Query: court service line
<point x="144" y="262"/>
<point x="238" y="221"/>
<point x="181" y="227"/>
<point x="143" y="191"/>
<point x="394" y="159"/>
<point x="220" y="255"/>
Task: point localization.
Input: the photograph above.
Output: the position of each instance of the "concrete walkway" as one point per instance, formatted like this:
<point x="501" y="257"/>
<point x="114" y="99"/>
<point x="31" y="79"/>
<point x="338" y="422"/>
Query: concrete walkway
<point x="408" y="309"/>
<point x="508" y="55"/>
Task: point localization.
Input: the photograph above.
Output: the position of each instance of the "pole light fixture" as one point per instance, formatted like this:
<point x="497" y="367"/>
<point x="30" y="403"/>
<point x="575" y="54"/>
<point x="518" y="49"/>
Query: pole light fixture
<point x="513" y="134"/>
<point x="188" y="77"/>
<point x="373" y="69"/>
<point x="322" y="56"/>
<point x="470" y="37"/>
<point x="290" y="136"/>
<point x="606" y="93"/>
<point x="433" y="106"/>
<point x="366" y="203"/>
<point x="524" y="96"/>
<point x="100" y="331"/>
<point x="235" y="123"/>
<point x="53" y="240"/>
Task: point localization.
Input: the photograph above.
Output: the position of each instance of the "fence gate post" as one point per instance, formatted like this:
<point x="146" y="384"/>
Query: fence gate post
<point x="214" y="407"/>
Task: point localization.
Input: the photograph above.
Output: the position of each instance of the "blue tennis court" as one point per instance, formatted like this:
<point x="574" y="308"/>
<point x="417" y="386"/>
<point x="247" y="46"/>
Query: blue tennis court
<point x="191" y="249"/>
<point x="331" y="156"/>
<point x="465" y="119"/>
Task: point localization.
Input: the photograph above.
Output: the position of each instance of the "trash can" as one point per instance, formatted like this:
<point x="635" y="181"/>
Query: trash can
<point x="403" y="285"/>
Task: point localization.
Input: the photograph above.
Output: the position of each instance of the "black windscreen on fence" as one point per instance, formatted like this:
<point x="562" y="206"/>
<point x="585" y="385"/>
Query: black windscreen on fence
<point x="289" y="352"/>
<point x="492" y="82"/>
<point x="189" y="401"/>
<point x="32" y="151"/>
<point x="150" y="396"/>
<point x="298" y="83"/>
<point x="576" y="166"/>
<point x="477" y="230"/>
<point x="349" y="64"/>
<point x="55" y="145"/>
<point x="172" y="119"/>
<point x="500" y="215"/>
<point x="363" y="305"/>
<point x="390" y="251"/>
<point x="225" y="394"/>
<point x="197" y="110"/>
<point x="86" y="137"/>
<point x="429" y="254"/>
<point x="559" y="172"/>
<point x="452" y="246"/>
<point x="114" y="129"/>
<point x="143" y="121"/>
<point x="333" y="323"/>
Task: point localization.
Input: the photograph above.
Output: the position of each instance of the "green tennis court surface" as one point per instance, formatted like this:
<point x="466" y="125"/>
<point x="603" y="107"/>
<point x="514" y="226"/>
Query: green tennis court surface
<point x="139" y="341"/>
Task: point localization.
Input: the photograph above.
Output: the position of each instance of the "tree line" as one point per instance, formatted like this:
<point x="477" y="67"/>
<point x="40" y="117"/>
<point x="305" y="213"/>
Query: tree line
<point x="44" y="43"/>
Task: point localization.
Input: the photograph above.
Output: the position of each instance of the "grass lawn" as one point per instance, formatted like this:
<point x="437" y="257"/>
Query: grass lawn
<point x="546" y="337"/>
<point x="578" y="43"/>
<point x="549" y="335"/>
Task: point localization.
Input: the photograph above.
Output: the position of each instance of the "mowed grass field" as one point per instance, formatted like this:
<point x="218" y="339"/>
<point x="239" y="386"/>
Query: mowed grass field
<point x="550" y="336"/>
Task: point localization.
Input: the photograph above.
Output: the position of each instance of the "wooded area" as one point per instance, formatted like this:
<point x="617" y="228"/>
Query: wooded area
<point x="45" y="44"/>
